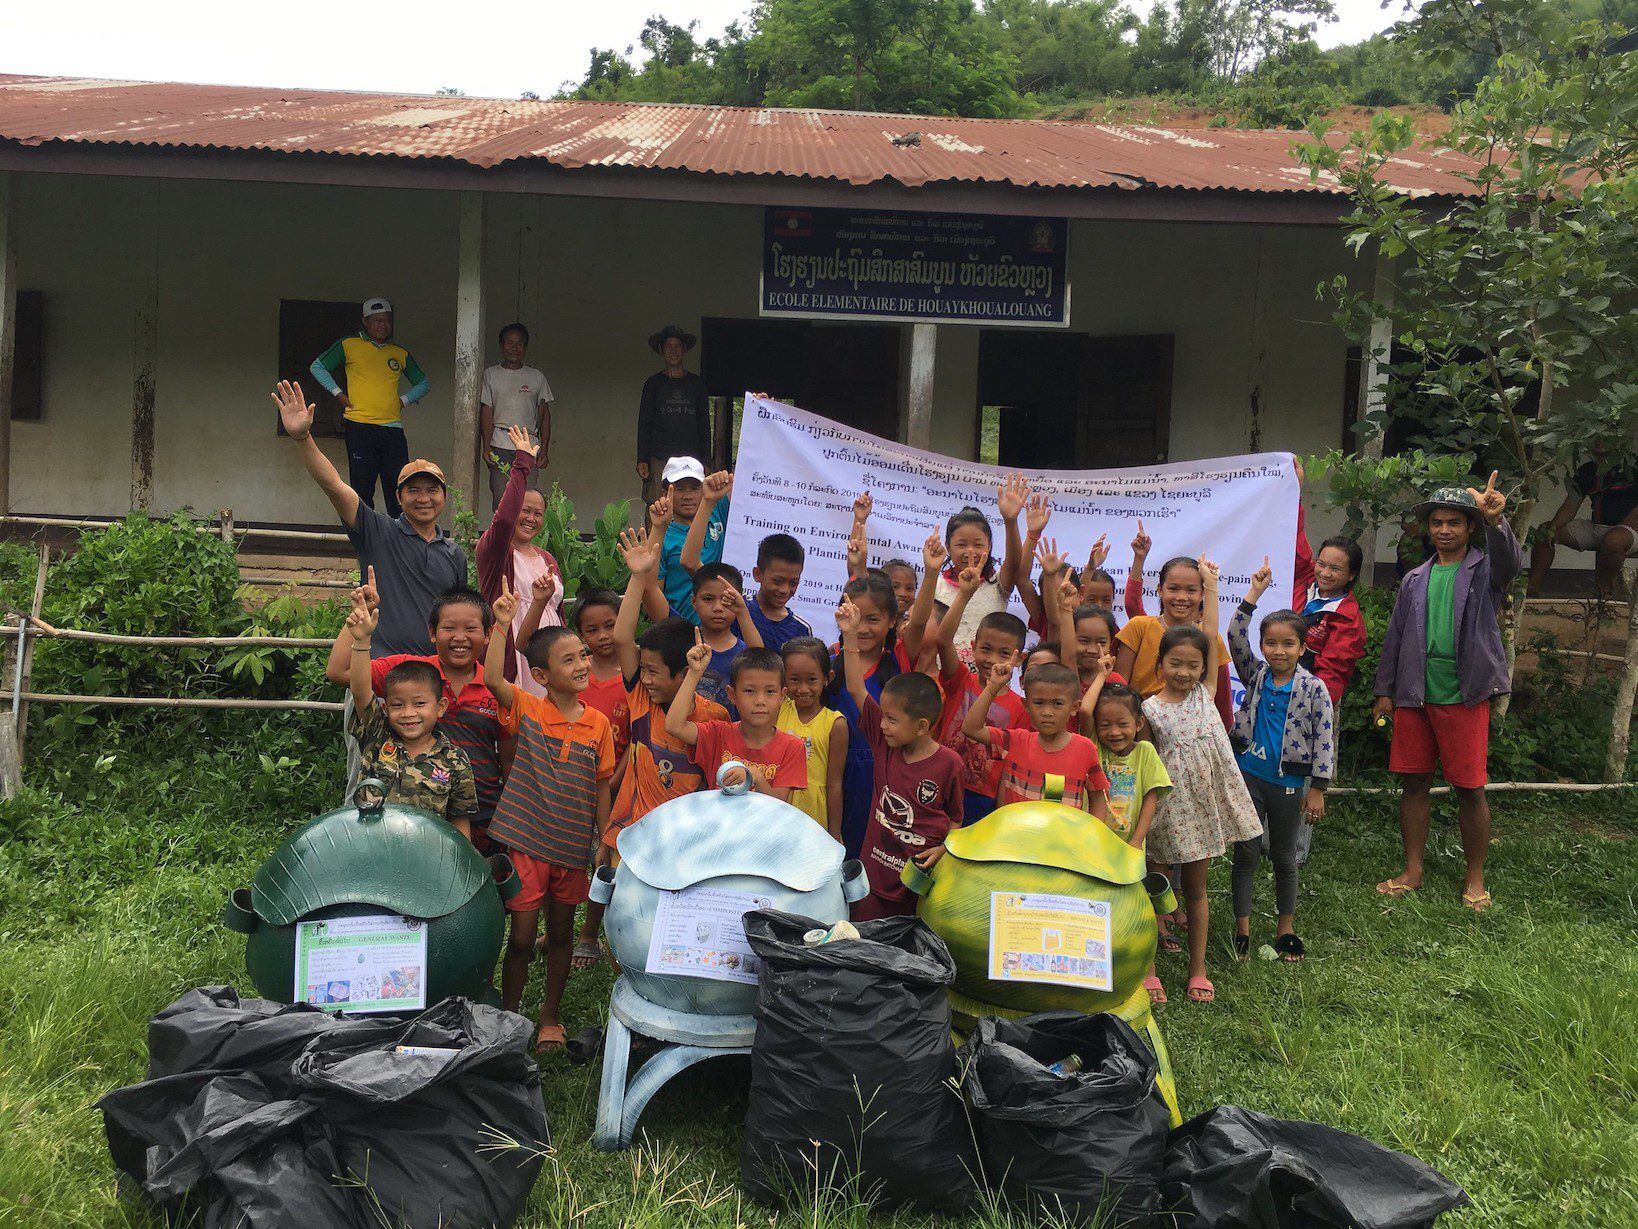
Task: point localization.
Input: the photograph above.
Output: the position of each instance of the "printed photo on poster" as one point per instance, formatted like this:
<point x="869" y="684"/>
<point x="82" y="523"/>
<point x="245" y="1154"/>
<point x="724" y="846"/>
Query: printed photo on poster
<point x="362" y="964"/>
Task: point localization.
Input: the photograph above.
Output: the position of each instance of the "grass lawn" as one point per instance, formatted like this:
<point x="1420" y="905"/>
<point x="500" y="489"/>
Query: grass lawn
<point x="1500" y="1049"/>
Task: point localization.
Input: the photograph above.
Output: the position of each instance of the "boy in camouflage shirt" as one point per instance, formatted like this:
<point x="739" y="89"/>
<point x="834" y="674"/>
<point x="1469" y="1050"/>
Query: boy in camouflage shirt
<point x="398" y="733"/>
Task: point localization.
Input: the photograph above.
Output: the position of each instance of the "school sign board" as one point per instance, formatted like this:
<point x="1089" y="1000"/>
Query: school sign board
<point x="951" y="268"/>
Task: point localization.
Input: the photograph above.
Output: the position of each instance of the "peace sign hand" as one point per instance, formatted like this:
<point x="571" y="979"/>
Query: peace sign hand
<point x="1491" y="501"/>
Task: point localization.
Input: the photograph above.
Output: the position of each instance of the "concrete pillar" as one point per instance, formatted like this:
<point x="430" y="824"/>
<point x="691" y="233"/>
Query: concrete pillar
<point x="918" y="427"/>
<point x="144" y="233"/>
<point x="8" y="331"/>
<point x="465" y="471"/>
<point x="1373" y="382"/>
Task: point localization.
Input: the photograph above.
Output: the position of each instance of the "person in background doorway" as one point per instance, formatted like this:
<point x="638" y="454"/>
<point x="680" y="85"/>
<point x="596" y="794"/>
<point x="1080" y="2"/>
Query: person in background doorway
<point x="372" y="365"/>
<point x="1609" y="488"/>
<point x="513" y="396"/>
<point x="674" y="415"/>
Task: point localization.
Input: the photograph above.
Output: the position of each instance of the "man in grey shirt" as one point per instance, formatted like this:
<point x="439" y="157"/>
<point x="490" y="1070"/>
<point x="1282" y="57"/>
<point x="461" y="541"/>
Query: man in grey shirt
<point x="411" y="559"/>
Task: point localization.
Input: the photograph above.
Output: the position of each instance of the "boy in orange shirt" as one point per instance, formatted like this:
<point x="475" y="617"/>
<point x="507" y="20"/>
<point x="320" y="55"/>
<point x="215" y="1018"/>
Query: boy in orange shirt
<point x="555" y="805"/>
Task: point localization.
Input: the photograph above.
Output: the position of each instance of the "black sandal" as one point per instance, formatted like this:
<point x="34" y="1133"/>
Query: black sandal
<point x="1242" y="947"/>
<point x="1290" y="947"/>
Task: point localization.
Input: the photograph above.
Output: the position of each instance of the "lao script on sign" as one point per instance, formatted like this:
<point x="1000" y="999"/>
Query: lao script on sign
<point x="700" y="932"/>
<point x="362" y="964"/>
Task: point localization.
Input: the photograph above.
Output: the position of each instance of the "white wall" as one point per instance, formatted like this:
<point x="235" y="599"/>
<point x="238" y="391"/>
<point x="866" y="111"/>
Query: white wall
<point x="592" y="279"/>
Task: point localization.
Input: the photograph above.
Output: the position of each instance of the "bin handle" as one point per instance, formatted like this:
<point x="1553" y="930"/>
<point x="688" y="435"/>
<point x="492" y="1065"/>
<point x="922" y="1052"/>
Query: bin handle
<point x="375" y="800"/>
<point x="1160" y="892"/>
<point x="914" y="878"/>
<point x="505" y="876"/>
<point x="238" y="915"/>
<point x="855" y="887"/>
<point x="742" y="786"/>
<point x="602" y="885"/>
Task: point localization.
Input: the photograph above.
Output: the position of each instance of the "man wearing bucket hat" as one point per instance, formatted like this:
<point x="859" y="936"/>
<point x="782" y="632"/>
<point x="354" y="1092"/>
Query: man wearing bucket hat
<point x="371" y="405"/>
<point x="674" y="415"/>
<point x="1442" y="662"/>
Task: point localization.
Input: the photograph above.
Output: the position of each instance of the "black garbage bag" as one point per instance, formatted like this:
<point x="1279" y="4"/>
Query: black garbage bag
<point x="1232" y="1168"/>
<point x="272" y="1116"/>
<point x="1067" y="1145"/>
<point x="852" y="1070"/>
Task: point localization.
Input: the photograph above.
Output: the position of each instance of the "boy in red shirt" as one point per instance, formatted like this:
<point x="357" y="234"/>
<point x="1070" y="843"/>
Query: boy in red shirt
<point x="917" y="790"/>
<point x="777" y="762"/>
<point x="998" y="640"/>
<point x="555" y="805"/>
<point x="1052" y="694"/>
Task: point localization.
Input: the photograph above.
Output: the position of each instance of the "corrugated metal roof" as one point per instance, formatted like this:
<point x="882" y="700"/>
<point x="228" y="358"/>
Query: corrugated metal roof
<point x="851" y="147"/>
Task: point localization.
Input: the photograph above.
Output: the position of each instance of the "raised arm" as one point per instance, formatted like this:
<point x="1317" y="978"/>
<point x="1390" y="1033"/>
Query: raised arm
<point x="297" y="417"/>
<point x="847" y="623"/>
<point x="641" y="552"/>
<point x="1141" y="542"/>
<point x="973" y="724"/>
<point x="337" y="667"/>
<point x="717" y="487"/>
<point x="966" y="585"/>
<point x="544" y="593"/>
<point x="361" y="621"/>
<point x="494" y="662"/>
<point x="1505" y="553"/>
<point x="1239" y="633"/>
<point x="1208" y="624"/>
<point x="1010" y="499"/>
<point x="858" y="537"/>
<point x="742" y="618"/>
<point x="1063" y="605"/>
<point x="679" y="717"/>
<point x="933" y="557"/>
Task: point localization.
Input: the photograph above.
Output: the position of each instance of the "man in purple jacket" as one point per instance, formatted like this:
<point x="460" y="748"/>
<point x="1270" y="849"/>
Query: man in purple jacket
<point x="1442" y="661"/>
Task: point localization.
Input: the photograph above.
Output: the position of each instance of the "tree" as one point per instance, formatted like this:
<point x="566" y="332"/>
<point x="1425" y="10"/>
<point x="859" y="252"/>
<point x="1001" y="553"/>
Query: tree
<point x="1515" y="301"/>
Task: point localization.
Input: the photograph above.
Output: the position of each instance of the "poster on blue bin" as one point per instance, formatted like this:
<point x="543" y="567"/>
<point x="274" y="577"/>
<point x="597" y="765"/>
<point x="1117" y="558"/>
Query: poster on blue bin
<point x="700" y="932"/>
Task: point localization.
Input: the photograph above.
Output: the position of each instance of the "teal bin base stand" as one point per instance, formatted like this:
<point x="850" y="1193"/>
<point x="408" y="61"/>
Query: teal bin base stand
<point x="684" y="1038"/>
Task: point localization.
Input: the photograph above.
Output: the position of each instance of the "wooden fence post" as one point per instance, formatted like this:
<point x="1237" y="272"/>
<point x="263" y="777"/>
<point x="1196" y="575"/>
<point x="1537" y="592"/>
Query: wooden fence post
<point x="1615" y="763"/>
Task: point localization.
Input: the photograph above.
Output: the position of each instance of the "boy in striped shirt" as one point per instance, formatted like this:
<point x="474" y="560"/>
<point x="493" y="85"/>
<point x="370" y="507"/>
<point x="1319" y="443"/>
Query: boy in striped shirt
<point x="554" y="808"/>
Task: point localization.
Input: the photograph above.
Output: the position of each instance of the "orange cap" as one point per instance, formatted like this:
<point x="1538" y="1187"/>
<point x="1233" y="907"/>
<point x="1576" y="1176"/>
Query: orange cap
<point x="421" y="466"/>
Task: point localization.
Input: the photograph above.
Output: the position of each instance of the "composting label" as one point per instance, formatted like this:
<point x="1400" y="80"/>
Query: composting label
<point x="1060" y="940"/>
<point x="700" y="932"/>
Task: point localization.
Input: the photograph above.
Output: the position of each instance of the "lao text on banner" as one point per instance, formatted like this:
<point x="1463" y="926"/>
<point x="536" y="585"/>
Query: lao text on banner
<point x="797" y="473"/>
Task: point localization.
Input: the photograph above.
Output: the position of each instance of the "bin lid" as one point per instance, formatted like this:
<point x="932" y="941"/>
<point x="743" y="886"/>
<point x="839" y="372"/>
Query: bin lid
<point x="395" y="857"/>
<point x="1049" y="834"/>
<point x="703" y="835"/>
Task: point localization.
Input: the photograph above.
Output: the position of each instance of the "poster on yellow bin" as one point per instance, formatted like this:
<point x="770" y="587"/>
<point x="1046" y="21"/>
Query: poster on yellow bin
<point x="1060" y="940"/>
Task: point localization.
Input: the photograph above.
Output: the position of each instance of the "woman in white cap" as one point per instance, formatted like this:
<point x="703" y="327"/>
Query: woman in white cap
<point x="674" y="415"/>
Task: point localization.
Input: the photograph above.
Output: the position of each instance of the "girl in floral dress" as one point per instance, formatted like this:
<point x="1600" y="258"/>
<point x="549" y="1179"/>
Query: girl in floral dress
<point x="1209" y="808"/>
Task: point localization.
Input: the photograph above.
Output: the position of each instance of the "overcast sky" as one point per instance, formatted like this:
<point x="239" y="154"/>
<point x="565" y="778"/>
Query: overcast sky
<point x="411" y="46"/>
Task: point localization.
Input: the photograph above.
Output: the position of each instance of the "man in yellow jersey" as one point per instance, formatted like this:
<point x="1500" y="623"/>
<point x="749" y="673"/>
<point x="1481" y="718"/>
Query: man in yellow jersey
<point x="371" y="403"/>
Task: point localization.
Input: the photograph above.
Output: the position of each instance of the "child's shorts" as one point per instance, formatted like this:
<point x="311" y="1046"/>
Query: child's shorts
<point x="568" y="885"/>
<point x="1454" y="738"/>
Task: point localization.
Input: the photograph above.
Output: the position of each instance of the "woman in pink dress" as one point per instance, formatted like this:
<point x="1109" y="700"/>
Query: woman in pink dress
<point x="507" y="551"/>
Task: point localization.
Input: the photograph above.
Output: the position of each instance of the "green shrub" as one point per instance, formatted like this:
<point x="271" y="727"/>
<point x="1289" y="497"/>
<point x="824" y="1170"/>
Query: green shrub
<point x="586" y="565"/>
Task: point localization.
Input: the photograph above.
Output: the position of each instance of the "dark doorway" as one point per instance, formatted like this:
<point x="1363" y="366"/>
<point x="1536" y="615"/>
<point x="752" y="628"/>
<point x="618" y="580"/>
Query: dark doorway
<point x="849" y="373"/>
<point x="1069" y="401"/>
<point x="307" y="328"/>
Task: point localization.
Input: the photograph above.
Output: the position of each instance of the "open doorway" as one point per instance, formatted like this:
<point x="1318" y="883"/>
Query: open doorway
<point x="1070" y="401"/>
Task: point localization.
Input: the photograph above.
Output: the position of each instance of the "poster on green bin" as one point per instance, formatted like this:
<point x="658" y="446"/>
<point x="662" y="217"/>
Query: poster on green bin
<point x="362" y="964"/>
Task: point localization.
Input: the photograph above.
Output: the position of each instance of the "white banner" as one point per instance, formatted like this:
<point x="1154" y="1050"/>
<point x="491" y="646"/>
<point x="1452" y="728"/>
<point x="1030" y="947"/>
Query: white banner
<point x="797" y="473"/>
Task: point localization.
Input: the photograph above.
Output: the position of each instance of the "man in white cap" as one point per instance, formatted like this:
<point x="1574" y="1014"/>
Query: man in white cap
<point x="693" y="536"/>
<point x="372" y="365"/>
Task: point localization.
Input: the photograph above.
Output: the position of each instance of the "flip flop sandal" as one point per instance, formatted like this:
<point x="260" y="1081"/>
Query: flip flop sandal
<point x="1291" y="948"/>
<point x="585" y="956"/>
<point x="1157" y="992"/>
<point x="1200" y="990"/>
<point x="1169" y="943"/>
<point x="1478" y="902"/>
<point x="549" y="1039"/>
<point x="1389" y="887"/>
<point x="1242" y="947"/>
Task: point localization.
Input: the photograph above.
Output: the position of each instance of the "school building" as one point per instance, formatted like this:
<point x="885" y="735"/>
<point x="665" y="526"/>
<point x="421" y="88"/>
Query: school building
<point x="173" y="250"/>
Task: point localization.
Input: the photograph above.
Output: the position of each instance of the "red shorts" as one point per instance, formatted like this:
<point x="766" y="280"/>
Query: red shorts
<point x="568" y="885"/>
<point x="1454" y="738"/>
